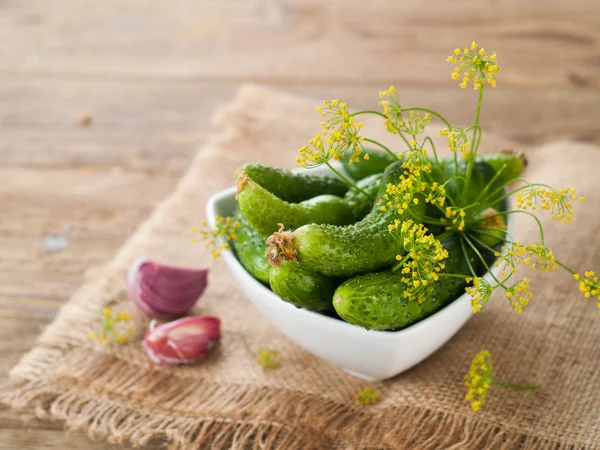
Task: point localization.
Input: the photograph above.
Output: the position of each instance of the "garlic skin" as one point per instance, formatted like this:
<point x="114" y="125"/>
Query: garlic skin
<point x="162" y="291"/>
<point x="182" y="341"/>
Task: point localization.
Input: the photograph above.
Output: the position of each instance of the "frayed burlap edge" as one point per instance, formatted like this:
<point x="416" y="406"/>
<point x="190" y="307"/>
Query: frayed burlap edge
<point x="115" y="401"/>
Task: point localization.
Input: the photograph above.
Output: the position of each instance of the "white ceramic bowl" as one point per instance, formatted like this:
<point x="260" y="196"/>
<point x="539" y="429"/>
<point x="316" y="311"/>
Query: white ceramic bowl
<point x="367" y="354"/>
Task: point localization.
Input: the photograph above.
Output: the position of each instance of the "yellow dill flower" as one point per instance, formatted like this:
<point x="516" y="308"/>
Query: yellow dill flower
<point x="474" y="64"/>
<point x="589" y="285"/>
<point x="479" y="379"/>
<point x="558" y="202"/>
<point x="518" y="295"/>
<point x="423" y="259"/>
<point x="225" y="229"/>
<point x="340" y="135"/>
<point x="366" y="395"/>
<point x="458" y="140"/>
<point x="397" y="121"/>
<point x="480" y="293"/>
<point x="112" y="325"/>
<point x="266" y="358"/>
<point x="410" y="188"/>
<point x="456" y="216"/>
<point x="531" y="255"/>
<point x="416" y="160"/>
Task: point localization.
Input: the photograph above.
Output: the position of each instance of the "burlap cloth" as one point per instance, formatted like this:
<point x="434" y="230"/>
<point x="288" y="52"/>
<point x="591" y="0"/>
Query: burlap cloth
<point x="116" y="393"/>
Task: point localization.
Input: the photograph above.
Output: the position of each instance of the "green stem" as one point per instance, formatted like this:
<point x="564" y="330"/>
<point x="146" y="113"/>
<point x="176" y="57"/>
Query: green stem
<point x="405" y="140"/>
<point x="368" y="111"/>
<point x="437" y="161"/>
<point x="347" y="181"/>
<point x="504" y="213"/>
<point x="564" y="266"/>
<point x="453" y="275"/>
<point x="466" y="256"/>
<point x="382" y="146"/>
<point x="491" y="182"/>
<point x="518" y="387"/>
<point x="487" y="268"/>
<point x="473" y="150"/>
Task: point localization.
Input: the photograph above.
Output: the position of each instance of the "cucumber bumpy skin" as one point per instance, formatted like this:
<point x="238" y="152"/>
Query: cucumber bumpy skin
<point x="375" y="301"/>
<point x="346" y="251"/>
<point x="265" y="210"/>
<point x="378" y="161"/>
<point x="302" y="287"/>
<point x="250" y="247"/>
<point x="293" y="187"/>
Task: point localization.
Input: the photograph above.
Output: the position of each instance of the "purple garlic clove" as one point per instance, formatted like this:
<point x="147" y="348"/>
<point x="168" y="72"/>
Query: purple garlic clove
<point x="162" y="291"/>
<point x="182" y="341"/>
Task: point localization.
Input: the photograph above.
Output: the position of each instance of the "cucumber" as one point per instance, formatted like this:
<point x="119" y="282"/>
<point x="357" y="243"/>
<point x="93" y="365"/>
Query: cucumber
<point x="292" y="187"/>
<point x="250" y="247"/>
<point x="509" y="162"/>
<point x="347" y="250"/>
<point x="377" y="163"/>
<point x="361" y="204"/>
<point x="375" y="301"/>
<point x="265" y="210"/>
<point x="302" y="287"/>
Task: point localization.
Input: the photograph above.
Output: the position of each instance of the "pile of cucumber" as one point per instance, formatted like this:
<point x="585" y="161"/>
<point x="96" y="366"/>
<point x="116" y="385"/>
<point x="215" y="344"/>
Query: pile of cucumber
<point x="341" y="249"/>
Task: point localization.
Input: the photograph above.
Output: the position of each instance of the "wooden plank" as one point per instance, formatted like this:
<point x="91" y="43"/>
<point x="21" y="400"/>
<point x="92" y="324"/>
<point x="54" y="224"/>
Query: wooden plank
<point x="540" y="43"/>
<point x="151" y="126"/>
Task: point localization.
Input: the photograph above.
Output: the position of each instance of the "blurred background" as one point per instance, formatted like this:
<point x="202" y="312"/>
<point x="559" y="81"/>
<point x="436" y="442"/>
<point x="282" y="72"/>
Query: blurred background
<point x="103" y="105"/>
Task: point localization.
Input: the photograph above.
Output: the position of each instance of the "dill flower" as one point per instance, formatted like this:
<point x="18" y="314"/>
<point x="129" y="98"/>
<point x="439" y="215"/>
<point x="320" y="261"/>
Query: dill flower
<point x="225" y="229"/>
<point x="474" y="64"/>
<point x="366" y="395"/>
<point x="480" y="293"/>
<point x="518" y="295"/>
<point x="423" y="260"/>
<point x="340" y="135"/>
<point x="397" y="121"/>
<point x="589" y="285"/>
<point x="416" y="160"/>
<point x="409" y="190"/>
<point x="266" y="358"/>
<point x="113" y="327"/>
<point x="479" y="379"/>
<point x="457" y="216"/>
<point x="458" y="140"/>
<point x="558" y="202"/>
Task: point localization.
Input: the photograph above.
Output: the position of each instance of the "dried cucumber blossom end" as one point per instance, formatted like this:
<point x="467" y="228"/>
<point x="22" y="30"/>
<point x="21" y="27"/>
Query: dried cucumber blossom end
<point x="114" y="327"/>
<point x="422" y="262"/>
<point x="474" y="64"/>
<point x="398" y="121"/>
<point x="367" y="396"/>
<point x="225" y="230"/>
<point x="589" y="285"/>
<point x="280" y="248"/>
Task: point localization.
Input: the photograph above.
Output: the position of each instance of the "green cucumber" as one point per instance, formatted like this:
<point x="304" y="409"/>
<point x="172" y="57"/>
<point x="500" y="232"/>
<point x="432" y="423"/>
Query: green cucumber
<point x="293" y="187"/>
<point x="377" y="163"/>
<point x="302" y="287"/>
<point x="359" y="202"/>
<point x="375" y="300"/>
<point x="509" y="163"/>
<point x="265" y="210"/>
<point x="347" y="250"/>
<point x="250" y="247"/>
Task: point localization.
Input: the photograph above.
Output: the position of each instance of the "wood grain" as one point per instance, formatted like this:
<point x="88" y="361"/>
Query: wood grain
<point x="151" y="73"/>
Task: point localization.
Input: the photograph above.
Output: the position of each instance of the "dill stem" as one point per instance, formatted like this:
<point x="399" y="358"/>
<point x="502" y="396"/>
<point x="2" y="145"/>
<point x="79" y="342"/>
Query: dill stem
<point x="347" y="181"/>
<point x="518" y="387"/>
<point x="372" y="141"/>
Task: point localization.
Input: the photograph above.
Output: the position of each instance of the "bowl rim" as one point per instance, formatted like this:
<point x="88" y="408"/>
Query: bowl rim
<point x="234" y="263"/>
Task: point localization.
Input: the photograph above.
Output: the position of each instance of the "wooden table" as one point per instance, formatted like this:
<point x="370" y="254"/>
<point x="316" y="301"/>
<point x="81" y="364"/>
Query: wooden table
<point x="149" y="73"/>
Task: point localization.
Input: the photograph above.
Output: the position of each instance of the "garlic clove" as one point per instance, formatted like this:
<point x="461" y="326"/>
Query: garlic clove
<point x="163" y="291"/>
<point x="182" y="341"/>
